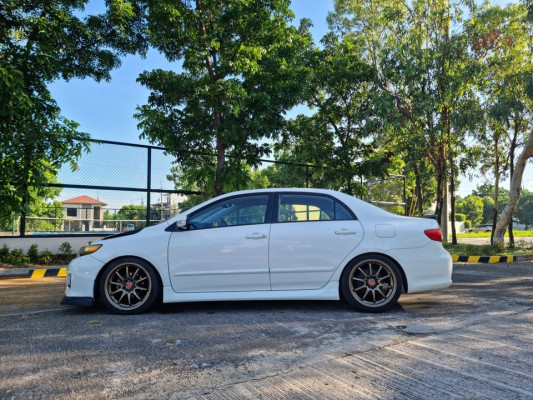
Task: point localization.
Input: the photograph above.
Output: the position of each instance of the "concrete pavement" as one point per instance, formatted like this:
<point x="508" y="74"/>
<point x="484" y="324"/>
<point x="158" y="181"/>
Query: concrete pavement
<point x="472" y="340"/>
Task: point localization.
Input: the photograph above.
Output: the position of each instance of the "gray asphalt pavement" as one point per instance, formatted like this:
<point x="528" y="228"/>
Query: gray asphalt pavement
<point x="473" y="340"/>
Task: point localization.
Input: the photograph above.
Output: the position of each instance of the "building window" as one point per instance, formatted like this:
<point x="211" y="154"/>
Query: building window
<point x="72" y="212"/>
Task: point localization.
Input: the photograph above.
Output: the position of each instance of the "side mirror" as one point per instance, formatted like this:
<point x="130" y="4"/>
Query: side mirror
<point x="181" y="225"/>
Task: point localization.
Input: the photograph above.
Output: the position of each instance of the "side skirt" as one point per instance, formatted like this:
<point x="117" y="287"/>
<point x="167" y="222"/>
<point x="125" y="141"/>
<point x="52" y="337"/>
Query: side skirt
<point x="328" y="292"/>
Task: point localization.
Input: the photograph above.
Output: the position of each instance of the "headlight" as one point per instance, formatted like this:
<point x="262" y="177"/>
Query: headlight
<point x="88" y="249"/>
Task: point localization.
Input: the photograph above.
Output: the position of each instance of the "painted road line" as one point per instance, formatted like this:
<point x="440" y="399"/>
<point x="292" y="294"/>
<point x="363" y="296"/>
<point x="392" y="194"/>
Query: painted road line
<point x="48" y="272"/>
<point x="484" y="259"/>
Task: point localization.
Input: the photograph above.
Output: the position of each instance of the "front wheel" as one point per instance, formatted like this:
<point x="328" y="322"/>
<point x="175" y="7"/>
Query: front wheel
<point x="129" y="286"/>
<point x="371" y="284"/>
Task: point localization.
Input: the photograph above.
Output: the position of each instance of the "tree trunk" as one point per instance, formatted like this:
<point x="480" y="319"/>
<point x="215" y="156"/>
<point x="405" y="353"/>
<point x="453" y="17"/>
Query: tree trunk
<point x="511" y="173"/>
<point x="418" y="190"/>
<point x="452" y="206"/>
<point x="496" y="188"/>
<point x="514" y="193"/>
<point x="441" y="181"/>
<point x="221" y="159"/>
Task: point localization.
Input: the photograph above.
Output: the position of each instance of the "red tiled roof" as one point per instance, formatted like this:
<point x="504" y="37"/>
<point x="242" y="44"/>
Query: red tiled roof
<point x="84" y="200"/>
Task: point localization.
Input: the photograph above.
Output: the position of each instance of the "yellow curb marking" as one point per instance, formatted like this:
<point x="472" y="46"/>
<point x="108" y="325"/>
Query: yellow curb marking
<point x="38" y="273"/>
<point x="41" y="272"/>
<point x="494" y="259"/>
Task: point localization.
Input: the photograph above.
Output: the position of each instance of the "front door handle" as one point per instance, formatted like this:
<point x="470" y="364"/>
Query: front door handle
<point x="256" y="236"/>
<point x="345" y="232"/>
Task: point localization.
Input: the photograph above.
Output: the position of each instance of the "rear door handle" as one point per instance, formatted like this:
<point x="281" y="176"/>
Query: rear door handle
<point x="256" y="236"/>
<point x="345" y="232"/>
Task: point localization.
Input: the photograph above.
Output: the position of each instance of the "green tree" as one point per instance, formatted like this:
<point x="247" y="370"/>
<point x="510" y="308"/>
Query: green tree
<point x="524" y="209"/>
<point x="339" y="135"/>
<point x="498" y="38"/>
<point x="131" y="212"/>
<point x="39" y="43"/>
<point x="426" y="103"/>
<point x="488" y="207"/>
<point x="504" y="47"/>
<point x="472" y="207"/>
<point x="241" y="72"/>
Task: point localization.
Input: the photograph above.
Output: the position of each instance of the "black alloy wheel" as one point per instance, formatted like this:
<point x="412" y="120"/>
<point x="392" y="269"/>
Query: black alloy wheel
<point x="129" y="286"/>
<point x="372" y="283"/>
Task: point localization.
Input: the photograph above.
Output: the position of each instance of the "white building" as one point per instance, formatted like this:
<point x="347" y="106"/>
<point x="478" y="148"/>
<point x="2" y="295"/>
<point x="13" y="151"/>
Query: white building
<point x="83" y="213"/>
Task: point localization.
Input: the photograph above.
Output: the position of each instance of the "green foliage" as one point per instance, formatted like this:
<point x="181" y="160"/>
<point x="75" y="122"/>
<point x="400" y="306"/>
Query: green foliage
<point x="472" y="207"/>
<point x="33" y="253"/>
<point x="524" y="210"/>
<point x="241" y="71"/>
<point x="17" y="257"/>
<point x="41" y="42"/>
<point x="423" y="105"/>
<point x="460" y="217"/>
<point x="286" y="175"/>
<point x="468" y="224"/>
<point x="132" y="212"/>
<point x="46" y="257"/>
<point x="488" y="207"/>
<point x="65" y="248"/>
<point x="338" y="136"/>
<point x="4" y="253"/>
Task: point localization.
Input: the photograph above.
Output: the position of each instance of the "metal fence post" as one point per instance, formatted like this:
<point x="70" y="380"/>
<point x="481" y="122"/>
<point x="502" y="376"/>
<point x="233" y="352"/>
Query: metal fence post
<point x="148" y="186"/>
<point x="307" y="176"/>
<point x="23" y="216"/>
<point x="405" y="197"/>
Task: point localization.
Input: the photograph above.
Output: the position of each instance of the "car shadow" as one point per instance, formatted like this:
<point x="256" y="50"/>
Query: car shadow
<point x="257" y="306"/>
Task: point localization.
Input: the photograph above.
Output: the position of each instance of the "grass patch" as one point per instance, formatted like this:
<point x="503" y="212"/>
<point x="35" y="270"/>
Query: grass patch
<point x="464" y="249"/>
<point x="487" y="234"/>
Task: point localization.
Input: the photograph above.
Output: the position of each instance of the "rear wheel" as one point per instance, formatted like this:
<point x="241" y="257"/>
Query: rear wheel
<point x="372" y="283"/>
<point x="129" y="286"/>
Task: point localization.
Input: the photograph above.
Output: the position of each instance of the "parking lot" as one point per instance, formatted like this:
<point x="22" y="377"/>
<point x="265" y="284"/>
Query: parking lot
<point x="472" y="340"/>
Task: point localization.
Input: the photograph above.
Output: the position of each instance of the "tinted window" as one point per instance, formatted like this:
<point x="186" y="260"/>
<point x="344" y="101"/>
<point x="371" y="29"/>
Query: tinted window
<point x="244" y="210"/>
<point x="341" y="212"/>
<point x="304" y="207"/>
<point x="72" y="212"/>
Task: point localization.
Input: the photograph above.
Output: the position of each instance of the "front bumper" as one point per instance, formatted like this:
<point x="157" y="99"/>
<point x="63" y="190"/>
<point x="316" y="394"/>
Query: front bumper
<point x="81" y="277"/>
<point x="77" y="301"/>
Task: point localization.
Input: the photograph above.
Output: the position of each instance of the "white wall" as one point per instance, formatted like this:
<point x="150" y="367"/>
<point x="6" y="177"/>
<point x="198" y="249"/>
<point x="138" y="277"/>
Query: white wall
<point x="47" y="243"/>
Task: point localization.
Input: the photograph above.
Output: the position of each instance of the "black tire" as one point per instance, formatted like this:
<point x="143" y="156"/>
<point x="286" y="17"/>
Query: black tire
<point x="129" y="285"/>
<point x="371" y="283"/>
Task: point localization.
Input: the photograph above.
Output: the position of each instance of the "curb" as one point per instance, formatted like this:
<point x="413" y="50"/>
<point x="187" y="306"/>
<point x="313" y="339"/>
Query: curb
<point x="33" y="272"/>
<point x="492" y="259"/>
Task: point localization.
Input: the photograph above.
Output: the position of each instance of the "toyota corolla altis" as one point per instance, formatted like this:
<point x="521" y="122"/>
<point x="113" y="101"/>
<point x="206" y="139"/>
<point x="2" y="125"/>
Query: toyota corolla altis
<point x="268" y="244"/>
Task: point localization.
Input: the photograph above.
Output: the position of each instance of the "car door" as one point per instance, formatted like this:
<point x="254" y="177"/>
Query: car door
<point x="225" y="247"/>
<point x="311" y="234"/>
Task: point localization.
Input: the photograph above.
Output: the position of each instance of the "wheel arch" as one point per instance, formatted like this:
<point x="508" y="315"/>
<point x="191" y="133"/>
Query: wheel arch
<point x="96" y="287"/>
<point x="368" y="255"/>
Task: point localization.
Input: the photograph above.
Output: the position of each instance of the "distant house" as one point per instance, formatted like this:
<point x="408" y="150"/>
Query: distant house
<point x="83" y="213"/>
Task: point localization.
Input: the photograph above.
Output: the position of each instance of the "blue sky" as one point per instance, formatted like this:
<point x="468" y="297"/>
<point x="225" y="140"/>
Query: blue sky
<point x="105" y="110"/>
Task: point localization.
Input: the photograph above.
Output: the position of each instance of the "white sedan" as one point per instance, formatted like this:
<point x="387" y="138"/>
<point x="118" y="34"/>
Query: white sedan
<point x="268" y="244"/>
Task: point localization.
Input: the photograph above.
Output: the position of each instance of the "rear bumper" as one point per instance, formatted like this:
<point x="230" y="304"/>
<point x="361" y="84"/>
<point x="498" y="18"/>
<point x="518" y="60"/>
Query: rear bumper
<point x="77" y="301"/>
<point x="426" y="268"/>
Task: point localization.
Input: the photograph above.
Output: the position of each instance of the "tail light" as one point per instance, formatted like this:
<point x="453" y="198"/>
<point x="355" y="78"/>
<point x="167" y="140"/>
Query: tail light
<point x="434" y="234"/>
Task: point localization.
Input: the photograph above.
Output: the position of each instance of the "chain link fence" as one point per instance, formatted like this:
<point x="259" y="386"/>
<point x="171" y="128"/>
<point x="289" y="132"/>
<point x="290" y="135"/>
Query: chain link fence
<point x="123" y="186"/>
